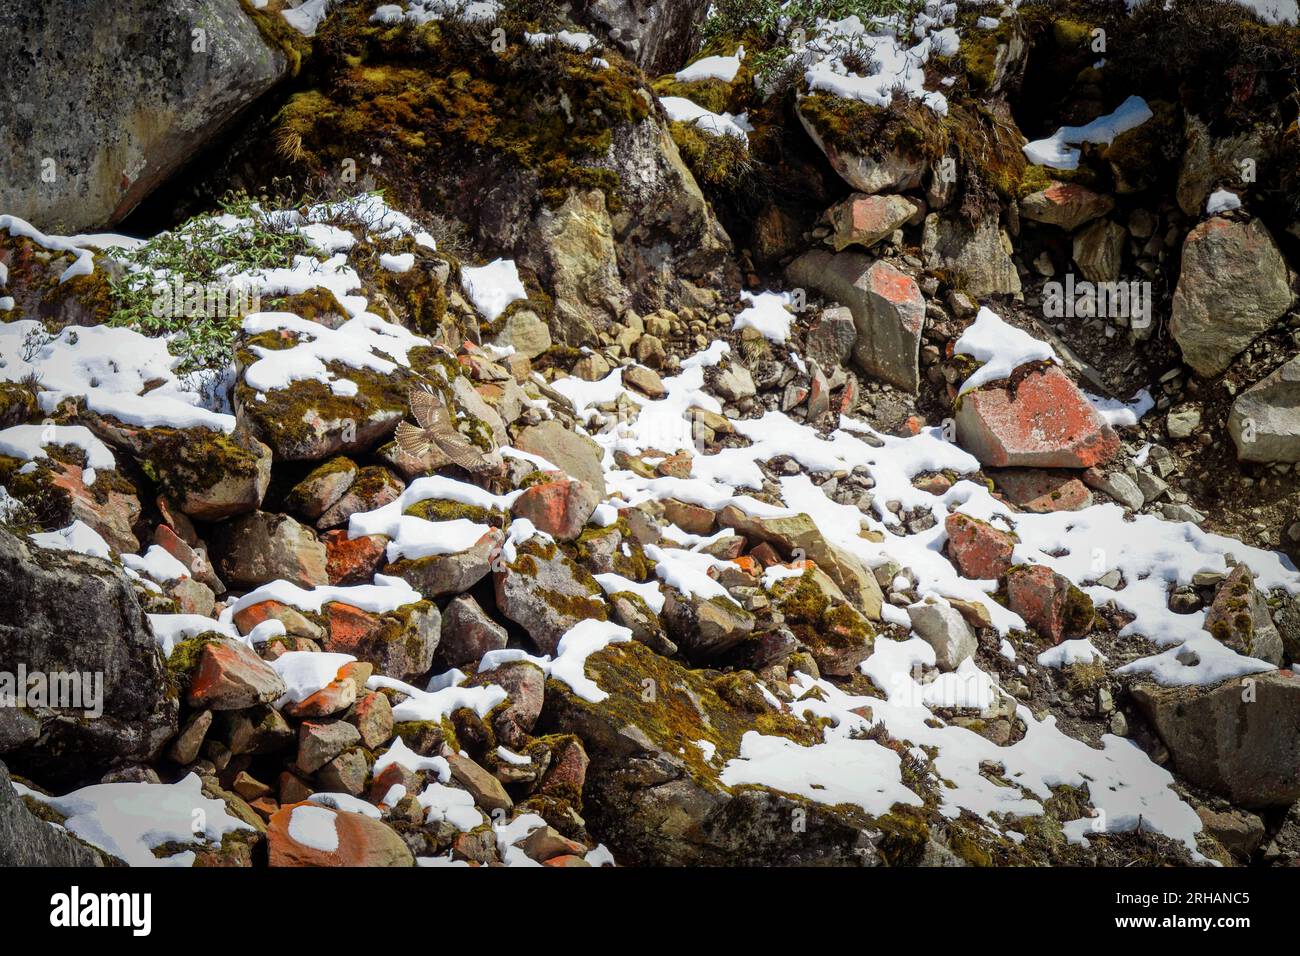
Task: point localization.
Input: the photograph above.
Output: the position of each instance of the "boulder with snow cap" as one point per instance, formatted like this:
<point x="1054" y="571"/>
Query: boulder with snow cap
<point x="1038" y="418"/>
<point x="798" y="536"/>
<point x="560" y="508"/>
<point x="546" y="593"/>
<point x="439" y="575"/>
<point x="654" y="785"/>
<point x="311" y="834"/>
<point x="65" y="613"/>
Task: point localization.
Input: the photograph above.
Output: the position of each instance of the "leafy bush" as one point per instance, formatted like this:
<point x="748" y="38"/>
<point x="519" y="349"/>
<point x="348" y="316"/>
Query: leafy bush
<point x="780" y="29"/>
<point x="205" y="251"/>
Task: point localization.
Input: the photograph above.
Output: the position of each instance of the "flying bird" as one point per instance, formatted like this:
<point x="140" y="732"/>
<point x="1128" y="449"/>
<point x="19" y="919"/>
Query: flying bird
<point x="433" y="429"/>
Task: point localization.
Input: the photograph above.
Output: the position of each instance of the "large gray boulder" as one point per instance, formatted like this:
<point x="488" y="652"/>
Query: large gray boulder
<point x="658" y="34"/>
<point x="1234" y="284"/>
<point x="887" y="308"/>
<point x="66" y="614"/>
<point x="104" y="101"/>
<point x="1238" y="738"/>
<point x="1265" y="419"/>
<point x="27" y="840"/>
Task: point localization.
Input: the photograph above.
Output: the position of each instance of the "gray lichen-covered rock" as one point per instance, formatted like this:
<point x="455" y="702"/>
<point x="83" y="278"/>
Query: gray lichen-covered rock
<point x="67" y="614"/>
<point x="27" y="840"/>
<point x="658" y="34"/>
<point x="1236" y="738"/>
<point x="1265" y="419"/>
<point x="1234" y="284"/>
<point x="887" y="308"/>
<point x="107" y="100"/>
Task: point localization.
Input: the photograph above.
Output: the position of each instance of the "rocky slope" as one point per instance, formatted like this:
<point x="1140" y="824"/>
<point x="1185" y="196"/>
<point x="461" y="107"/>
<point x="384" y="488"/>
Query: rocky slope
<point x="623" y="434"/>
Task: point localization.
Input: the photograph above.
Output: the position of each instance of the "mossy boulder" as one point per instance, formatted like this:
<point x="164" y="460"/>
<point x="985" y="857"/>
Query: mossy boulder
<point x="654" y="797"/>
<point x="1239" y="618"/>
<point x="546" y="592"/>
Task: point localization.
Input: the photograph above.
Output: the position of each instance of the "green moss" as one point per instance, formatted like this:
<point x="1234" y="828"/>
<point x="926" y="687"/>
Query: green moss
<point x="436" y="509"/>
<point x="441" y="94"/>
<point x="315" y="305"/>
<point x="905" y="831"/>
<point x="868" y="130"/>
<point x="712" y="94"/>
<point x="718" y="161"/>
<point x="979" y="51"/>
<point x="674" y="707"/>
<point x="184" y="659"/>
<point x="277" y="32"/>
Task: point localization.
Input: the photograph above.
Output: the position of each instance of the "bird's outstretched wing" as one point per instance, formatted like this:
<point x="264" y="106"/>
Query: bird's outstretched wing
<point x="412" y="440"/>
<point x="427" y="408"/>
<point x="460" y="451"/>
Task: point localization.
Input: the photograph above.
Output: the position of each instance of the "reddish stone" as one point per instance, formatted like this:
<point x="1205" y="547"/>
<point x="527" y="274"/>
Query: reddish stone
<point x="230" y="676"/>
<point x="194" y="557"/>
<point x="675" y="466"/>
<point x="334" y="698"/>
<point x="1039" y="491"/>
<point x="295" y="623"/>
<point x="353" y="560"/>
<point x="560" y="508"/>
<point x="566" y="860"/>
<point x="693" y="519"/>
<point x="1049" y="602"/>
<point x="1067" y="205"/>
<point x="848" y="396"/>
<point x="112" y="516"/>
<point x="567" y="774"/>
<point x="265" y="807"/>
<point x="394" y="775"/>
<point x="1042" y="420"/>
<point x="400" y="644"/>
<point x="933" y="484"/>
<point x="979" y="550"/>
<point x="765" y="555"/>
<point x="361" y="840"/>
